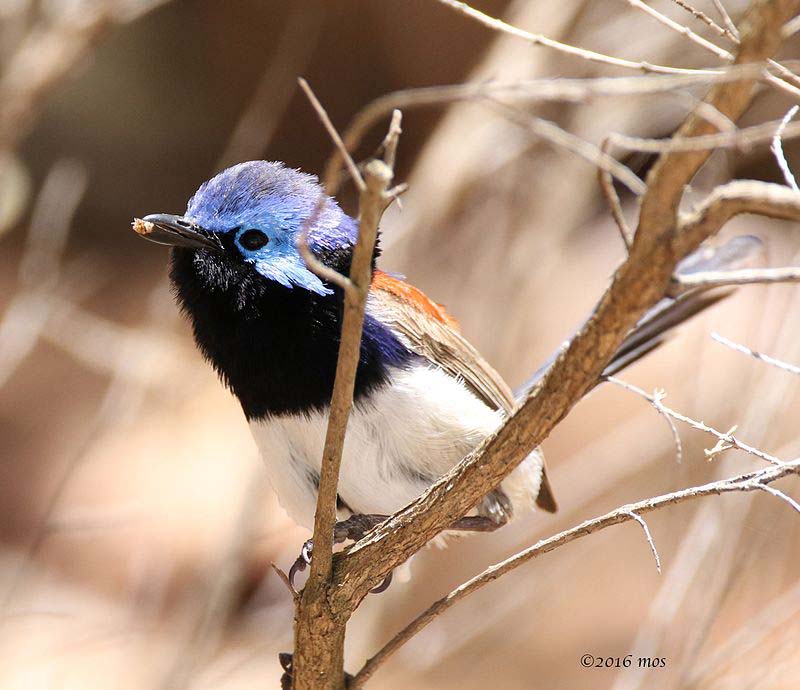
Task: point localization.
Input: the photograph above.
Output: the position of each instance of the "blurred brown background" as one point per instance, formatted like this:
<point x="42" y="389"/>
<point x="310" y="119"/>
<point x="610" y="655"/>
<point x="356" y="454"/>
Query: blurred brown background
<point x="135" y="527"/>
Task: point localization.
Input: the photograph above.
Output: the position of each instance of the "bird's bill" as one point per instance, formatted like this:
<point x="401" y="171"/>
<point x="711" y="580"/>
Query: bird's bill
<point x="176" y="231"/>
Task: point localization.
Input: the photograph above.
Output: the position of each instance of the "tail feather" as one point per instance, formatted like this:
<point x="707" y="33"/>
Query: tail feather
<point x="656" y="325"/>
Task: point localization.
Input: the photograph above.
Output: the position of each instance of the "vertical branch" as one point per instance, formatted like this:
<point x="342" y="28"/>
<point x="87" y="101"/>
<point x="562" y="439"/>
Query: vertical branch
<point x="377" y="178"/>
<point x="319" y="632"/>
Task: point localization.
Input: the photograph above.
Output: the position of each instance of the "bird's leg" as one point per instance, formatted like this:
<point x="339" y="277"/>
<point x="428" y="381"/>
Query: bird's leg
<point x="476" y="523"/>
<point x="352" y="529"/>
<point x="496" y="505"/>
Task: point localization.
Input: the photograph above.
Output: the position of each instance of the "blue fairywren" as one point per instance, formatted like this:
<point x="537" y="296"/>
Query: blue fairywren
<point x="424" y="397"/>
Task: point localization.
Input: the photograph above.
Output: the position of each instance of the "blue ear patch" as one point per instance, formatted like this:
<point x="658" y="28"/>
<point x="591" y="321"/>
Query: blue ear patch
<point x="291" y="273"/>
<point x="279" y="260"/>
<point x="278" y="202"/>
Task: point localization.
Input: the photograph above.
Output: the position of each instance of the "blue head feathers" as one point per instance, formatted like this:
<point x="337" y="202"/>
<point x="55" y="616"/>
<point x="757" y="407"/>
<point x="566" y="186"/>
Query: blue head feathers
<point x="259" y="208"/>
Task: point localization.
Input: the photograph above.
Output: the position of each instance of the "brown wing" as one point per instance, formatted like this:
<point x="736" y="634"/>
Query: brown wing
<point x="433" y="334"/>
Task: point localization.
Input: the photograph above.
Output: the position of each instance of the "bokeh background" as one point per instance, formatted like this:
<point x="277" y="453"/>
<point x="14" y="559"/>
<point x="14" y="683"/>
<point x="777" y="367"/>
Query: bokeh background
<point x="136" y="528"/>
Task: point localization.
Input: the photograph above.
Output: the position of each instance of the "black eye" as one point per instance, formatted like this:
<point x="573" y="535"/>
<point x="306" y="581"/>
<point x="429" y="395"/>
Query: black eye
<point x="253" y="239"/>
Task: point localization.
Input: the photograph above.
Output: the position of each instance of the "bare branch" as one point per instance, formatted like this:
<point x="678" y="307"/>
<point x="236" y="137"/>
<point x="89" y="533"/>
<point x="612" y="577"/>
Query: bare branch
<point x="751" y="481"/>
<point x="656" y="400"/>
<point x="392" y="138"/>
<point x="648" y="536"/>
<point x="553" y="133"/>
<point x="378" y="179"/>
<point x="612" y="199"/>
<point x="778" y="82"/>
<point x="779" y="494"/>
<point x="703" y="17"/>
<point x="791" y="27"/>
<point x="539" y="39"/>
<point x="708" y="112"/>
<point x="727" y="439"/>
<point x="706" y="280"/>
<point x="784" y="366"/>
<point x="726" y="18"/>
<point x="319" y="632"/>
<point x="744" y="138"/>
<point x="777" y="149"/>
<point x="681" y="29"/>
<point x="314" y="264"/>
<point x="732" y="199"/>
<point x="283" y="577"/>
<point x="527" y="90"/>
<point x="352" y="168"/>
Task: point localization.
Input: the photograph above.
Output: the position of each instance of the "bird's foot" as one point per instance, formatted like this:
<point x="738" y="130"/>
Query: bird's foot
<point x="285" y="659"/>
<point x="302" y="561"/>
<point x="351" y="529"/>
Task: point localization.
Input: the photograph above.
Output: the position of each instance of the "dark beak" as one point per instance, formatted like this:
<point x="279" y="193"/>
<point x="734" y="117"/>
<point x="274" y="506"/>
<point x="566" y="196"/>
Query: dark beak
<point x="175" y="231"/>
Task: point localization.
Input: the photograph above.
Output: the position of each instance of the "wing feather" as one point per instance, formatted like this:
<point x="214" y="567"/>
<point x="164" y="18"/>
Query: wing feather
<point x="429" y="331"/>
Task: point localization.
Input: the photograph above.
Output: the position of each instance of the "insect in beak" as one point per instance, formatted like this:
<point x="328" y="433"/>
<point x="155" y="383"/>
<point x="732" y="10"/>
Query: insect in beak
<point x="176" y="231"/>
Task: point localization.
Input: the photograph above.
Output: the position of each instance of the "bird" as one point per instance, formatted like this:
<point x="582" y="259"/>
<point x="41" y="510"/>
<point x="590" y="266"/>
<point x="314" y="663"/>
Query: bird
<point x="424" y="397"/>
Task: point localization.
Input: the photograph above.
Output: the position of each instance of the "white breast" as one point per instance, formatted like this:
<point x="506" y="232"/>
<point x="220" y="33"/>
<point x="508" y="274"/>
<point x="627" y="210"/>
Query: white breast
<point x="399" y="440"/>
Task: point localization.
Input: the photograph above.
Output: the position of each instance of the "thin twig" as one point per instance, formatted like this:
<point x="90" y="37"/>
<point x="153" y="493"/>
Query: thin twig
<point x="392" y="138"/>
<point x="732" y="199"/>
<point x="791" y="27"/>
<point x="727" y="439"/>
<point x="676" y="437"/>
<point x="784" y="366"/>
<point x="708" y="112"/>
<point x="777" y="149"/>
<point x="726" y="18"/>
<point x="649" y="538"/>
<point x="779" y="494"/>
<point x="779" y="82"/>
<point x="743" y="138"/>
<point x="283" y="577"/>
<point x="538" y="39"/>
<point x="352" y="168"/>
<point x="570" y="90"/>
<point x="751" y="481"/>
<point x="708" y="21"/>
<point x="706" y="280"/>
<point x="553" y="133"/>
<point x="681" y="29"/>
<point x="314" y="264"/>
<point x="372" y="201"/>
<point x="612" y="199"/>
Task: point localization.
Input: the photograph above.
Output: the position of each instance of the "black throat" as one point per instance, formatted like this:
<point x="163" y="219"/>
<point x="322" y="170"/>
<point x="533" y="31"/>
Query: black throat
<point x="274" y="347"/>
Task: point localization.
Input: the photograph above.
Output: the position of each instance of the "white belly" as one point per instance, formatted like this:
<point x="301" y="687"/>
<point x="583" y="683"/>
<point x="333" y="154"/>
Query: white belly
<point x="399" y="441"/>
